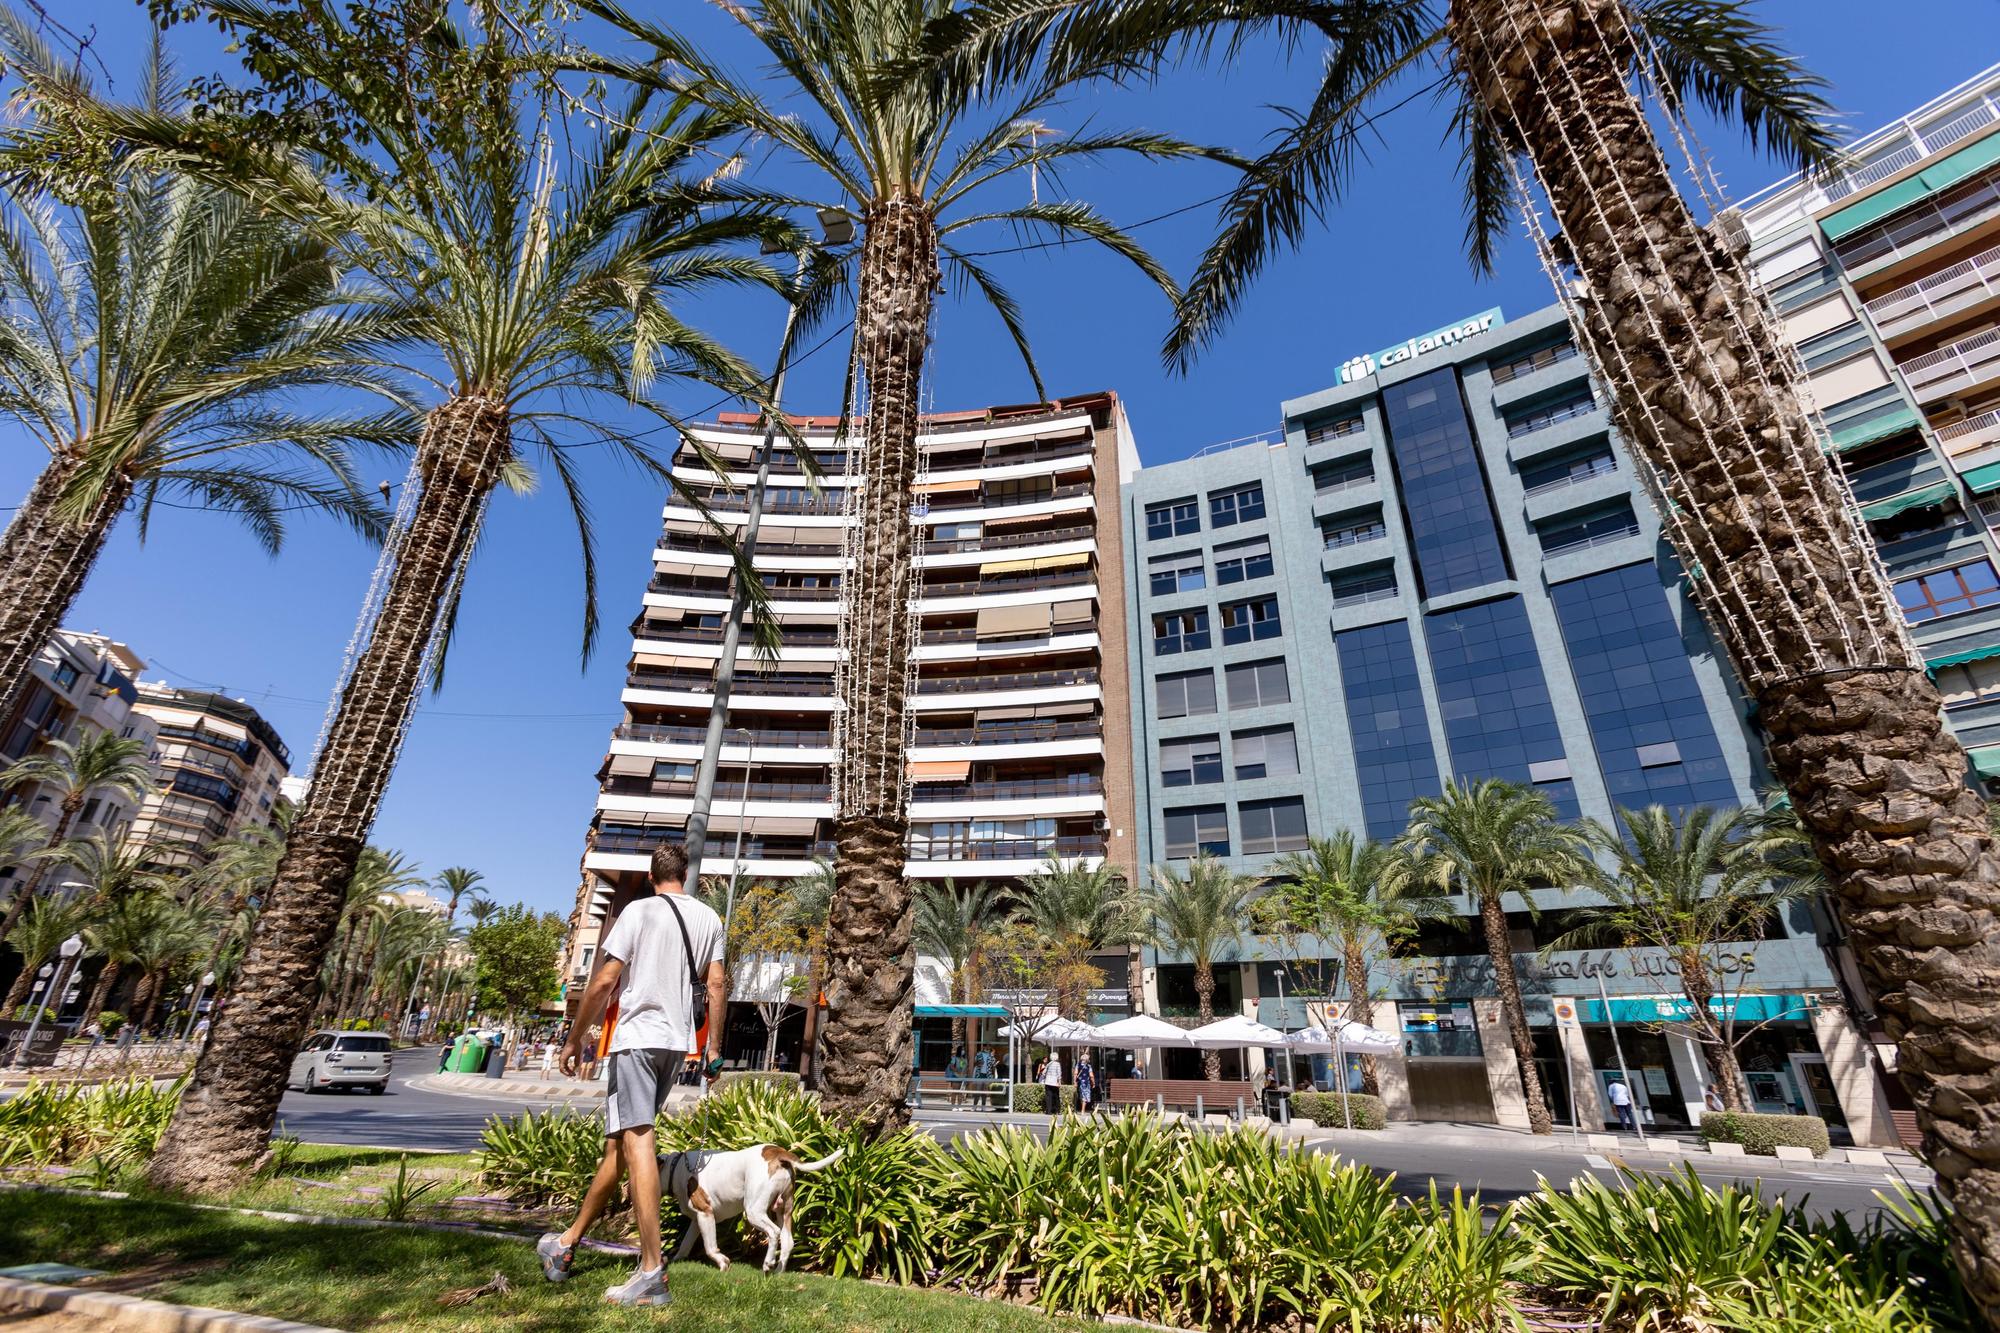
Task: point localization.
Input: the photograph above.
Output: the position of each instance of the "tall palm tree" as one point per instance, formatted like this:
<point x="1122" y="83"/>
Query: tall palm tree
<point x="114" y="875"/>
<point x="1488" y="839"/>
<point x="531" y="266"/>
<point x="1343" y="890"/>
<point x="1075" y="909"/>
<point x="159" y="332"/>
<point x="379" y="872"/>
<point x="37" y="935"/>
<point x="1199" y="916"/>
<point x="1687" y="884"/>
<point x="952" y="924"/>
<point x="910" y="158"/>
<point x="71" y="771"/>
<point x="456" y="882"/>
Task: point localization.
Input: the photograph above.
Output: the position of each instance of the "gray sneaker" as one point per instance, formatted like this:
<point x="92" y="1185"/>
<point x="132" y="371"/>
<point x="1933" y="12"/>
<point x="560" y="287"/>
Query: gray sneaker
<point x="556" y="1257"/>
<point x="642" y="1288"/>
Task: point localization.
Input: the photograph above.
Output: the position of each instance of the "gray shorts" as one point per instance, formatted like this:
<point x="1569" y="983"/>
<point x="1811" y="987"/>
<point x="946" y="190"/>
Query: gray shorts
<point x="636" y="1084"/>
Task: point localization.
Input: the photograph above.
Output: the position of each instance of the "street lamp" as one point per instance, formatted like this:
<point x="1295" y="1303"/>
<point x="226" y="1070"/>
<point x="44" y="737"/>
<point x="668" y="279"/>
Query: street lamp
<point x="69" y="949"/>
<point x="836" y="229"/>
<point x="207" y="980"/>
<point x="742" y="821"/>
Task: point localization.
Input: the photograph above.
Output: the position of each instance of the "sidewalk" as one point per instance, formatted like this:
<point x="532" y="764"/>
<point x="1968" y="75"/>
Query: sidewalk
<point x="513" y="1085"/>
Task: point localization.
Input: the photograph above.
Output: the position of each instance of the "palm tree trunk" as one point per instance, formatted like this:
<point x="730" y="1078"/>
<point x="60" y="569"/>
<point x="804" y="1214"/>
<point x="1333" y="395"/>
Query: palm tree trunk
<point x="1853" y="725"/>
<point x="1500" y="949"/>
<point x="222" y="1128"/>
<point x="1358" y="1010"/>
<point x="44" y="560"/>
<point x="100" y="992"/>
<point x="1722" y="1062"/>
<point x="1204" y="999"/>
<point x="869" y="958"/>
<point x="809" y="1034"/>
<point x="145" y="1000"/>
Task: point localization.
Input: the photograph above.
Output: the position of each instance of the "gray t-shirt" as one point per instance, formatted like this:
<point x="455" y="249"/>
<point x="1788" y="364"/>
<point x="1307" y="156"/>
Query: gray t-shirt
<point x="656" y="1006"/>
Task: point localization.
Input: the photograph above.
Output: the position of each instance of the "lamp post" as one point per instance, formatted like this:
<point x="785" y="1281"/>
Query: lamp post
<point x="69" y="949"/>
<point x="742" y="820"/>
<point x="836" y="228"/>
<point x="207" y="980"/>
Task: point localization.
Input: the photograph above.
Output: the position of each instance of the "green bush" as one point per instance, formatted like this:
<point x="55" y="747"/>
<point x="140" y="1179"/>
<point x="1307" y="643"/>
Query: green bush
<point x="1764" y="1134"/>
<point x="778" y="1077"/>
<point x="26" y="1013"/>
<point x="1028" y="1097"/>
<point x="109" y="1022"/>
<point x="1323" y="1109"/>
<point x="541" y="1157"/>
<point x="62" y="1124"/>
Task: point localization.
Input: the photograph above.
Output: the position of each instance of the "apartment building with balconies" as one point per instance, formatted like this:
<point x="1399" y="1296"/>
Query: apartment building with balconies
<point x="1887" y="275"/>
<point x="1020" y="748"/>
<point x="220" y="767"/>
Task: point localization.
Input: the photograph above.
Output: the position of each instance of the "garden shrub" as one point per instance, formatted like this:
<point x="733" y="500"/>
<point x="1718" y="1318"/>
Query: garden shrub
<point x="1323" y="1109"/>
<point x="1764" y="1134"/>
<point x="541" y="1157"/>
<point x="1028" y="1098"/>
<point x="110" y="1021"/>
<point x="782" y="1078"/>
<point x="62" y="1124"/>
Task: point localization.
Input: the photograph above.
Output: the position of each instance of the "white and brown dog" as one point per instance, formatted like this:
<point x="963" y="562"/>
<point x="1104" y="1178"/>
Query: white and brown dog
<point x="757" y="1183"/>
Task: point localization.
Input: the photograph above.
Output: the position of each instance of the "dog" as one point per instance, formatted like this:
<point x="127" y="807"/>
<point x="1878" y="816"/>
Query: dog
<point x="756" y="1182"/>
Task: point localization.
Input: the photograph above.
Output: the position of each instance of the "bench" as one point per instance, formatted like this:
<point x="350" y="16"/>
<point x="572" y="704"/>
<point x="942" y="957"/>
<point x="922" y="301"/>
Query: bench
<point x="982" y="1094"/>
<point x="1182" y="1094"/>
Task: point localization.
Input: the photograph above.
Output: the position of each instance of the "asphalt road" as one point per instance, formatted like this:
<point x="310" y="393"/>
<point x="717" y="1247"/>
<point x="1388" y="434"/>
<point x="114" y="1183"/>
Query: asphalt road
<point x="403" y="1117"/>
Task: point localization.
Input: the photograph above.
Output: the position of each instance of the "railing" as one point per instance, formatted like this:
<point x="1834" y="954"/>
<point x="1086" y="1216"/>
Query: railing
<point x="1010" y="733"/>
<point x="996" y="583"/>
<point x="952" y="500"/>
<point x="680" y="541"/>
<point x="1599" y="467"/>
<point x="1345" y="481"/>
<point x="1534" y="361"/>
<point x="724" y="791"/>
<point x="720" y="589"/>
<point x="1564" y="547"/>
<point x="747" y="682"/>
<point x="1011" y="849"/>
<point x="1962" y="437"/>
<point x="1335" y="430"/>
<point x="776" y="737"/>
<point x="1002" y="540"/>
<point x="944" y="469"/>
<point x="242" y="746"/>
<point x="928" y="849"/>
<point x="1941" y="293"/>
<point x="736" y="502"/>
<point x="1013" y="789"/>
<point x="1034" y="639"/>
<point x="1384" y="591"/>
<point x="1914" y="150"/>
<point x="1266" y="438"/>
<point x="1954" y="365"/>
<point x="755" y="848"/>
<point x="1013" y="680"/>
<point x="796" y="636"/>
<point x="1549" y="416"/>
<point x="1921" y="226"/>
<point x="1340" y="537"/>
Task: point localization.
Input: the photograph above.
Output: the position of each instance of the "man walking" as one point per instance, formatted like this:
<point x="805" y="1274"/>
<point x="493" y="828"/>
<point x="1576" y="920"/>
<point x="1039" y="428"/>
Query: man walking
<point x="1621" y="1101"/>
<point x="658" y="951"/>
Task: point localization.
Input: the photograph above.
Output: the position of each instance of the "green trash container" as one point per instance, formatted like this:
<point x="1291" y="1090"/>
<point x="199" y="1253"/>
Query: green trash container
<point x="469" y="1056"/>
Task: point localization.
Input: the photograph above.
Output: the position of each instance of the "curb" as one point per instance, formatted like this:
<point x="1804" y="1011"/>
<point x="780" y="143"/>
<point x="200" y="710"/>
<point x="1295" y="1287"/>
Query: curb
<point x="111" y="1310"/>
<point x="500" y="1089"/>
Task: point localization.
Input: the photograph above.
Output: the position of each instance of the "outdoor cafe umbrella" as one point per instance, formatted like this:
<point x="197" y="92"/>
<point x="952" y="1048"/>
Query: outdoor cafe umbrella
<point x="1142" y="1032"/>
<point x="1345" y="1035"/>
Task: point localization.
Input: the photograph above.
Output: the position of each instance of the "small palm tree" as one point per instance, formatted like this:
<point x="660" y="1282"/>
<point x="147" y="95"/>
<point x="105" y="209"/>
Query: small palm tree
<point x="38" y="935"/>
<point x="1199" y="916"/>
<point x="1685" y="884"/>
<point x="71" y="771"/>
<point x="1076" y="909"/>
<point x="456" y="882"/>
<point x="159" y="334"/>
<point x="1345" y="891"/>
<point x="22" y="838"/>
<point x="479" y="909"/>
<point x="1488" y="839"/>
<point x="108" y="871"/>
<point x="952" y="924"/>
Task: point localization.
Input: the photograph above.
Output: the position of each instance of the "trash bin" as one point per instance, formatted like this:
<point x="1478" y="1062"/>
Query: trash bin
<point x="469" y="1057"/>
<point x="1278" y="1105"/>
<point x="496" y="1060"/>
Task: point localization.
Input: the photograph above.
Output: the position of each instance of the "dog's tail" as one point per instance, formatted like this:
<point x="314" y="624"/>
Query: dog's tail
<point x="807" y="1168"/>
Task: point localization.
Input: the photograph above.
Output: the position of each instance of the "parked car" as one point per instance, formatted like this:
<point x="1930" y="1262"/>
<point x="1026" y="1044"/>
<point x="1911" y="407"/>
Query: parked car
<point x="342" y="1060"/>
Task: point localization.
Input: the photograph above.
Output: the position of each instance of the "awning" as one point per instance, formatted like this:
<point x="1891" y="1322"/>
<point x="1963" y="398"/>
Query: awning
<point x="1006" y="566"/>
<point x="1983" y="479"/>
<point x="1955" y="167"/>
<point x="1985" y="761"/>
<point x="940" y="770"/>
<point x="1962" y="657"/>
<point x="673" y="660"/>
<point x="1013" y="620"/>
<point x="960" y="1011"/>
<point x="1675" y="1008"/>
<point x="1873" y="429"/>
<point x="942" y="487"/>
<point x="1874" y="208"/>
<point x="1921" y="498"/>
<point x="1040" y="562"/>
<point x="1015" y="520"/>
<point x="1077" y="612"/>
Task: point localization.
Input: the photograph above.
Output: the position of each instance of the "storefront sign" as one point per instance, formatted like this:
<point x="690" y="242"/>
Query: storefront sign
<point x="1669" y="1008"/>
<point x="1451" y="335"/>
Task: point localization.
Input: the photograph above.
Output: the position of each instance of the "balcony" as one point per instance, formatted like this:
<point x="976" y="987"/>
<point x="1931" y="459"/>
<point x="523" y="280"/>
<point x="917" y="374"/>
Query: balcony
<point x="783" y="792"/>
<point x="1027" y="732"/>
<point x="1946" y="292"/>
<point x="954" y="501"/>
<point x="770" y="737"/>
<point x="1954" y="367"/>
<point x="718" y="589"/>
<point x="1540" y="360"/>
<point x="796" y="636"/>
<point x="1906" y="146"/>
<point x="738" y="502"/>
<point x="998" y="541"/>
<point x="1922" y="226"/>
<point x="1017" y="789"/>
<point x="747" y="682"/>
<point x="1602" y="465"/>
<point x="1001" y="583"/>
<point x="1962" y="439"/>
<point x="687" y="544"/>
<point x="1543" y="418"/>
<point x="755" y="848"/>
<point x="1012" y="680"/>
<point x="1009" y="849"/>
<point x="1555" y="544"/>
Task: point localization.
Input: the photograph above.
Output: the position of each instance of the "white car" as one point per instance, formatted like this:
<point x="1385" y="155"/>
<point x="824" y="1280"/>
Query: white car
<point x="342" y="1060"/>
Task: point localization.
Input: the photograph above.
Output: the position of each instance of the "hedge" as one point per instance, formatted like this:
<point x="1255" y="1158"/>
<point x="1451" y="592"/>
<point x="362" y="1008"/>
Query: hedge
<point x="1028" y="1097"/>
<point x="782" y="1078"/>
<point x="1323" y="1109"/>
<point x="1765" y="1133"/>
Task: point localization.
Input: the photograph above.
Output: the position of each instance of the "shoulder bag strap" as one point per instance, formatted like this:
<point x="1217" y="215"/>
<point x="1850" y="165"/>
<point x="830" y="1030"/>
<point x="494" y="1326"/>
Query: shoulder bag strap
<point x="699" y="984"/>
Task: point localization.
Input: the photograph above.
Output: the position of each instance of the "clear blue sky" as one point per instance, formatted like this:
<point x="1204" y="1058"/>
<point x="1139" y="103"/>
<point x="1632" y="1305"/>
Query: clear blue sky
<point x="498" y="771"/>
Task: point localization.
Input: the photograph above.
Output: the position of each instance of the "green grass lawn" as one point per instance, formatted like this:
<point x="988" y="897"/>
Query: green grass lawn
<point x="383" y="1278"/>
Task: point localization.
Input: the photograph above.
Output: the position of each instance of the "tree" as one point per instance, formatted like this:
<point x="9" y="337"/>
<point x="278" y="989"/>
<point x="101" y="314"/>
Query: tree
<point x="1078" y="909"/>
<point x="531" y="263"/>
<point x="379" y="874"/>
<point x="1344" y="890"/>
<point x="108" y="870"/>
<point x="72" y="770"/>
<point x="908" y="156"/>
<point x="1199" y="916"/>
<point x="455" y="882"/>
<point x="769" y="936"/>
<point x="160" y="333"/>
<point x="952" y="924"/>
<point x="22" y="838"/>
<point x="1688" y="885"/>
<point x="37" y="936"/>
<point x="517" y="952"/>
<point x="1487" y="839"/>
<point x="812" y="906"/>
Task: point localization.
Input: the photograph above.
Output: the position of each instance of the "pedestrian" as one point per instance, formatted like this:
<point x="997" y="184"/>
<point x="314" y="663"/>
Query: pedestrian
<point x="1711" y="1097"/>
<point x="954" y="1074"/>
<point x="201" y="1028"/>
<point x="656" y="954"/>
<point x="985" y="1073"/>
<point x="548" y="1058"/>
<point x="1051" y="1080"/>
<point x="1621" y="1101"/>
<point x="1086" y="1086"/>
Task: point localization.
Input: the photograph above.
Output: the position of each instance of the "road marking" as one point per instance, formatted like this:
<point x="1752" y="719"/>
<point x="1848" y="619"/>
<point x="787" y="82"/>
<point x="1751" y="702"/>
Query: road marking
<point x="1597" y="1163"/>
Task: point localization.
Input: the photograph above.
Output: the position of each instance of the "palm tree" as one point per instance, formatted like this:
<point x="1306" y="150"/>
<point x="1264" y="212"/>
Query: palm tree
<point x="1344" y="891"/>
<point x="1075" y="909"/>
<point x="158" y="335"/>
<point x="378" y="873"/>
<point x="72" y="770"/>
<point x="1487" y="839"/>
<point x="530" y="266"/>
<point x="115" y="874"/>
<point x="456" y="882"/>
<point x="36" y="937"/>
<point x="1200" y="916"/>
<point x="481" y="908"/>
<point x="952" y="924"/>
<point x="1686" y="884"/>
<point x="908" y="157"/>
<point x="811" y="906"/>
<point x="22" y="837"/>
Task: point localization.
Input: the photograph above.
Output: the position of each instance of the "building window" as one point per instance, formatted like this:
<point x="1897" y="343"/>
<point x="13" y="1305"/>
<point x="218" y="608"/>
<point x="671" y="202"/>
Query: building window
<point x="1257" y="684"/>
<point x="64" y="676"/>
<point x="1240" y="561"/>
<point x="1185" y="694"/>
<point x="1494" y="697"/>
<point x="1541" y="418"/>
<point x="1975" y="682"/>
<point x="1323" y="431"/>
<point x="89" y="810"/>
<point x="1659" y="754"/>
<point x="1393" y="760"/>
<point x="1180" y="572"/>
<point x="1200" y="830"/>
<point x="1609" y="525"/>
<point x="1172" y="518"/>
<point x="673" y="770"/>
<point x="1948" y="591"/>
<point x="1273" y="826"/>
<point x="1245" y="622"/>
<point x="1270" y="752"/>
<point x="1183" y="763"/>
<point x="1335" y="534"/>
<point x="1372" y="585"/>
<point x="1533" y="361"/>
<point x="1180" y="632"/>
<point x="1239" y="504"/>
<point x="1333" y="478"/>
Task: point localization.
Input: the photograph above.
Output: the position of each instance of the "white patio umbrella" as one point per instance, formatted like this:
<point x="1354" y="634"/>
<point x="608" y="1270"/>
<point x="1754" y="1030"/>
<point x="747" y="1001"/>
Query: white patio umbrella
<point x="1345" y="1035"/>
<point x="1142" y="1032"/>
<point x="1228" y="1033"/>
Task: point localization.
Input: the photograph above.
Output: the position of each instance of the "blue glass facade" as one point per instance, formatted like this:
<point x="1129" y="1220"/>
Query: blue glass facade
<point x="1453" y="532"/>
<point x="1497" y="717"/>
<point x="1385" y="713"/>
<point x="1655" y="744"/>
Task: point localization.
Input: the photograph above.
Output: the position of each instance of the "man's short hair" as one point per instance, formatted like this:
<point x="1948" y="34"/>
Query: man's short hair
<point x="670" y="863"/>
